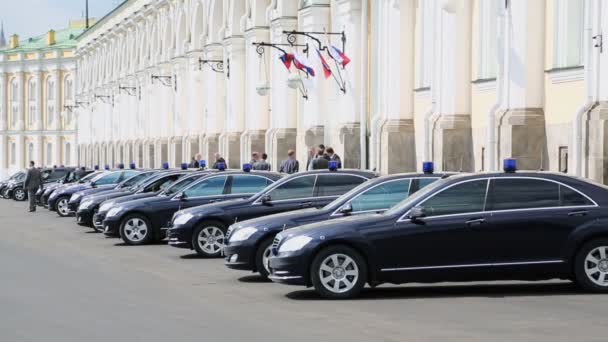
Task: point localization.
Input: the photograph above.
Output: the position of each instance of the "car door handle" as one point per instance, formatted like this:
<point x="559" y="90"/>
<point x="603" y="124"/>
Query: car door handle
<point x="578" y="213"/>
<point x="306" y="204"/>
<point x="475" y="222"/>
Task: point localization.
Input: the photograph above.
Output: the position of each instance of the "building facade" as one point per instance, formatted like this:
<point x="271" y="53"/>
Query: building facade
<point x="463" y="83"/>
<point x="37" y="87"/>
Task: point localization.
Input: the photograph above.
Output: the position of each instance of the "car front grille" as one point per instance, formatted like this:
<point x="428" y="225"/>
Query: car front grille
<point x="229" y="232"/>
<point x="275" y="245"/>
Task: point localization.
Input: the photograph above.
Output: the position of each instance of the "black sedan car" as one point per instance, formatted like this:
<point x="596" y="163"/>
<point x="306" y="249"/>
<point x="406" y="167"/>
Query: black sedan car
<point x="203" y="228"/>
<point x="72" y="176"/>
<point x="470" y="227"/>
<point x="14" y="176"/>
<point x="49" y="175"/>
<point x="249" y="242"/>
<point x="176" y="187"/>
<point x="50" y="188"/>
<point x="140" y="222"/>
<point x="59" y="199"/>
<point x="145" y="182"/>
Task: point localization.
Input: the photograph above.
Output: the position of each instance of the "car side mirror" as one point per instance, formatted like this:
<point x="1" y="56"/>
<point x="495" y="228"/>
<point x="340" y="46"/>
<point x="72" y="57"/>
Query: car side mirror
<point x="416" y="213"/>
<point x="266" y="199"/>
<point x="93" y="184"/>
<point x="181" y="196"/>
<point x="346" y="209"/>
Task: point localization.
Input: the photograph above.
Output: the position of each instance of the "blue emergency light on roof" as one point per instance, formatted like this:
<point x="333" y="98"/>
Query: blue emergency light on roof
<point x="509" y="165"/>
<point x="132" y="166"/>
<point x="332" y="165"/>
<point x="107" y="167"/>
<point x="165" y="165"/>
<point x="121" y="166"/>
<point x="184" y="166"/>
<point x="246" y="167"/>
<point x="428" y="167"/>
<point x="96" y="167"/>
<point x="202" y="163"/>
<point x="221" y="166"/>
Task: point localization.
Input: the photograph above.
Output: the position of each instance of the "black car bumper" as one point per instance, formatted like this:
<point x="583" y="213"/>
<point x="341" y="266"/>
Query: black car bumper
<point x="73" y="207"/>
<point x="290" y="270"/>
<point x="180" y="237"/>
<point x="111" y="227"/>
<point x="84" y="217"/>
<point x="98" y="220"/>
<point x="240" y="257"/>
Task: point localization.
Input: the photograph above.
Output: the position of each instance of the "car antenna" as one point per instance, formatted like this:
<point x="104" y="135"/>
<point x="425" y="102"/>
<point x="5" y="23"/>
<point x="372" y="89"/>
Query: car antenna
<point x="284" y="226"/>
<point x="236" y="219"/>
<point x="461" y="161"/>
<point x="541" y="160"/>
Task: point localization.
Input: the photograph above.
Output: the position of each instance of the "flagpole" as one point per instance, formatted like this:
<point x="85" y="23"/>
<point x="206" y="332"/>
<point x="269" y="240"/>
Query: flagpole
<point x="86" y="9"/>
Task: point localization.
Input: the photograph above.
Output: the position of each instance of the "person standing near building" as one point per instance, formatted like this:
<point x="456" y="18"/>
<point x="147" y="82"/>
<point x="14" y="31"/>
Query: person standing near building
<point x="334" y="157"/>
<point x="218" y="159"/>
<point x="319" y="160"/>
<point x="291" y="164"/>
<point x="193" y="163"/>
<point x="33" y="181"/>
<point x="262" y="164"/>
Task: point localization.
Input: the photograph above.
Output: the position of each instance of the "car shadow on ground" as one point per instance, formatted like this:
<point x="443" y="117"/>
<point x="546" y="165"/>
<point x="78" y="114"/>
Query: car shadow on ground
<point x="455" y="291"/>
<point x="122" y="244"/>
<point x="192" y="256"/>
<point x="253" y="278"/>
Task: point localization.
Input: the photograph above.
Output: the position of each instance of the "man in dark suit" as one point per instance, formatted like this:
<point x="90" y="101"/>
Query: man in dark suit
<point x="33" y="181"/>
<point x="290" y="165"/>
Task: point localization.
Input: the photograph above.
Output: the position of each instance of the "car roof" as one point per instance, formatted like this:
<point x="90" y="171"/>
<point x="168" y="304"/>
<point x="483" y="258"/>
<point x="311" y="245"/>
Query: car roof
<point x="363" y="173"/>
<point x="394" y="176"/>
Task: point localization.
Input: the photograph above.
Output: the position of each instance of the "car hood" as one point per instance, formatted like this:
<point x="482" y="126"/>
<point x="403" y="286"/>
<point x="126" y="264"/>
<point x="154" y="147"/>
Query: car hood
<point x="287" y="219"/>
<point x="106" y="195"/>
<point x="142" y="202"/>
<point x="330" y="227"/>
<point x="90" y="191"/>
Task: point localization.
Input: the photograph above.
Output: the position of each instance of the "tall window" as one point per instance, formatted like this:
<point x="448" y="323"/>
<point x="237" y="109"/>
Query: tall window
<point x="32" y="96"/>
<point x="49" y="154"/>
<point x="68" y="97"/>
<point x="488" y="36"/>
<point x="424" y="58"/>
<point x="568" y="33"/>
<point x="50" y="100"/>
<point x="68" y="154"/>
<point x="30" y="152"/>
<point x="13" y="153"/>
<point x="14" y="103"/>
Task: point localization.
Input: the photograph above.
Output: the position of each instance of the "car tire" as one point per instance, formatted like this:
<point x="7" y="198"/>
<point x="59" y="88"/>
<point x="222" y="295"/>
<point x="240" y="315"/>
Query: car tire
<point x="136" y="230"/>
<point x="62" y="206"/>
<point x="19" y="195"/>
<point x="591" y="266"/>
<point x="208" y="238"/>
<point x="338" y="272"/>
<point x="261" y="257"/>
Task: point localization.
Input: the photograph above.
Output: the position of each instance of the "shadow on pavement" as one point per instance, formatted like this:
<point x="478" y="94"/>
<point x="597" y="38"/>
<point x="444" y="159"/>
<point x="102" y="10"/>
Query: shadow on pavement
<point x="454" y="291"/>
<point x="254" y="278"/>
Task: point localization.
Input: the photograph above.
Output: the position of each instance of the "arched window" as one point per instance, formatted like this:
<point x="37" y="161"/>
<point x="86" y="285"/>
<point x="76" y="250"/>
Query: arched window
<point x="68" y="97"/>
<point x="50" y="100"/>
<point x="14" y="102"/>
<point x="32" y="96"/>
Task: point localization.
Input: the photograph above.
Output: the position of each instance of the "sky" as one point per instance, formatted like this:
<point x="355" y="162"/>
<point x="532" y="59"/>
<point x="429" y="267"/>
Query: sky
<point x="29" y="18"/>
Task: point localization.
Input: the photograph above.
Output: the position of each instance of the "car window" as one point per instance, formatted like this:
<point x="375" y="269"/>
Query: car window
<point x="111" y="178"/>
<point x="245" y="184"/>
<point x="569" y="197"/>
<point x="57" y="174"/>
<point x="466" y="197"/>
<point x="299" y="187"/>
<point x="213" y="186"/>
<point x="419" y="183"/>
<point x="129" y="173"/>
<point x="180" y="185"/>
<point x="522" y="193"/>
<point x="336" y="185"/>
<point x="162" y="183"/>
<point x="45" y="174"/>
<point x="136" y="179"/>
<point x="382" y="196"/>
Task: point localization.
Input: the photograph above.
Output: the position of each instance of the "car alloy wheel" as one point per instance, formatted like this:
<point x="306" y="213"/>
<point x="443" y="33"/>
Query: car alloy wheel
<point x="596" y="266"/>
<point x="135" y="230"/>
<point x="338" y="272"/>
<point x="19" y="194"/>
<point x="62" y="207"/>
<point x="262" y="255"/>
<point x="211" y="240"/>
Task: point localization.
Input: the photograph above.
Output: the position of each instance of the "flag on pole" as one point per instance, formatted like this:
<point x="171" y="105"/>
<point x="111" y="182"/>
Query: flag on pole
<point x="326" y="68"/>
<point x="339" y="56"/>
<point x="287" y="58"/>
<point x="301" y="63"/>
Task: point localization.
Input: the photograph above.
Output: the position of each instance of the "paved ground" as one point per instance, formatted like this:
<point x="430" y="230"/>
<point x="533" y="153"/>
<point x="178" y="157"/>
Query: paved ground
<point x="60" y="282"/>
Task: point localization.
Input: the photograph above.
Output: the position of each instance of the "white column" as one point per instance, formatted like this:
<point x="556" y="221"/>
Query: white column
<point x="38" y="150"/>
<point x="57" y="150"/>
<point x="39" y="104"/>
<point x="21" y="102"/>
<point x="3" y="156"/>
<point x="58" y="100"/>
<point x="4" y="107"/>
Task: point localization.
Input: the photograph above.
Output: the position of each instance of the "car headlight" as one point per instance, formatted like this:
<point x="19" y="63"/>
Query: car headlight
<point x="182" y="218"/>
<point x="242" y="234"/>
<point x="85" y="204"/>
<point x="114" y="211"/>
<point x="294" y="244"/>
<point x="106" y="206"/>
<point x="75" y="197"/>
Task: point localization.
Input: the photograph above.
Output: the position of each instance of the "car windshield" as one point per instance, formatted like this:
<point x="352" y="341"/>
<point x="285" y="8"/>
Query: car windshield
<point x="181" y="184"/>
<point x="17" y="175"/>
<point x="397" y="208"/>
<point x="89" y="177"/>
<point x="136" y="181"/>
<point x="336" y="203"/>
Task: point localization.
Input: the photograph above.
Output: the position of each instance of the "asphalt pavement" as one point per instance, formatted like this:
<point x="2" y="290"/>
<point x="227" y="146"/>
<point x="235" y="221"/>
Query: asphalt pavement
<point x="62" y="282"/>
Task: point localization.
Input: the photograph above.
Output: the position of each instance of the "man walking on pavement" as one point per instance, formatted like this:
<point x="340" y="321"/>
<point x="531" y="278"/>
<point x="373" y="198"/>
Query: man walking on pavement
<point x="33" y="181"/>
<point x="291" y="164"/>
